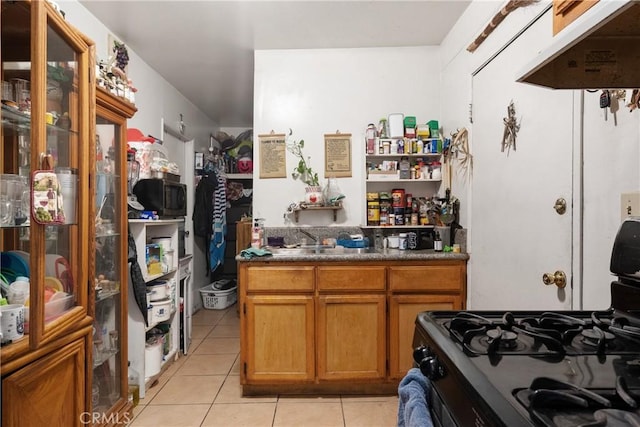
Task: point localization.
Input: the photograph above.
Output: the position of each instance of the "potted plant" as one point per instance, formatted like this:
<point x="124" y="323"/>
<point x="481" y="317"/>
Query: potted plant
<point x="305" y="173"/>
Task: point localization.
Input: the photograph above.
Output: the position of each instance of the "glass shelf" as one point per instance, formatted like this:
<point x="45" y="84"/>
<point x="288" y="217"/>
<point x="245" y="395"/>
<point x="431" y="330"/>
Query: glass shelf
<point x="105" y="295"/>
<point x="103" y="356"/>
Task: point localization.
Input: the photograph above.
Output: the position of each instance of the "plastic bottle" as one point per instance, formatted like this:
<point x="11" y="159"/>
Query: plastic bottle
<point x="437" y="242"/>
<point x="371" y="134"/>
<point x="133" y="381"/>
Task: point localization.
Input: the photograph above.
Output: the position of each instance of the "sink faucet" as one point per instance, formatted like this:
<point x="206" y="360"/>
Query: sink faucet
<point x="315" y="239"/>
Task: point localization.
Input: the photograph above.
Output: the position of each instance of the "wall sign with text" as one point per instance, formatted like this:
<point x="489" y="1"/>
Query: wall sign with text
<point x="337" y="155"/>
<point x="273" y="160"/>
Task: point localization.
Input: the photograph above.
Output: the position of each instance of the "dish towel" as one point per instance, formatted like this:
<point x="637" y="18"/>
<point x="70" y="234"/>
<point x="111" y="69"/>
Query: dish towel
<point x="413" y="393"/>
<point x="254" y="252"/>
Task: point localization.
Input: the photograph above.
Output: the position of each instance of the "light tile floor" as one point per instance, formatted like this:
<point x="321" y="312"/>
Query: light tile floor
<point x="203" y="389"/>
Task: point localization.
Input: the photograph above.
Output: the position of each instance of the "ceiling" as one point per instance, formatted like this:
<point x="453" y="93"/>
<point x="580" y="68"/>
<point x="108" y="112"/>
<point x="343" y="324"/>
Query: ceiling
<point x="205" y="48"/>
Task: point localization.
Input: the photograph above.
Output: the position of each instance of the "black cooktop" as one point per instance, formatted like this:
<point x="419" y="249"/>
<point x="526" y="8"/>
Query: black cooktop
<point x="543" y="368"/>
<point x="542" y="379"/>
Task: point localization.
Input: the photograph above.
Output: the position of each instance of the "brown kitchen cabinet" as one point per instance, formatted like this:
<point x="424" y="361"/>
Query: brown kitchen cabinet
<point x="354" y="296"/>
<point x="108" y="306"/>
<point x="351" y="337"/>
<point x="36" y="394"/>
<point x="280" y="329"/>
<point x="278" y="323"/>
<point x="351" y="323"/>
<point x="567" y="11"/>
<point x="416" y="287"/>
<point x="47" y="123"/>
<point x="403" y="310"/>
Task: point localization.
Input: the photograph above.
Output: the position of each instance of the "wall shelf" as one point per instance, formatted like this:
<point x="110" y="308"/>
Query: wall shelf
<point x="239" y="176"/>
<point x="306" y="208"/>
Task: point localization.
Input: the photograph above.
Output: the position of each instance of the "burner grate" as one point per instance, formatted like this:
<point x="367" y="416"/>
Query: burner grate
<point x="548" y="334"/>
<point x="554" y="403"/>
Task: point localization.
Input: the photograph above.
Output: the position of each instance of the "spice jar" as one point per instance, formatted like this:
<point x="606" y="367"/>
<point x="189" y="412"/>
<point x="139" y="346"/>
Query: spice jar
<point x="385" y="208"/>
<point x="373" y="209"/>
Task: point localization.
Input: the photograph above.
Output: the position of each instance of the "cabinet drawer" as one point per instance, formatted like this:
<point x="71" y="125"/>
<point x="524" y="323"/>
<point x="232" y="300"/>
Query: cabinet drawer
<point x="351" y="278"/>
<point x="427" y="278"/>
<point x="280" y="278"/>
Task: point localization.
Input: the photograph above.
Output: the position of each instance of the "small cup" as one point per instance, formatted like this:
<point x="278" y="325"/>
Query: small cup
<point x="12" y="322"/>
<point x="393" y="241"/>
<point x="456" y="248"/>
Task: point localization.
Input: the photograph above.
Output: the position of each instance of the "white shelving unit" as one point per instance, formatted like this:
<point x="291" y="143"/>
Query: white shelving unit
<point x="387" y="182"/>
<point x="143" y="231"/>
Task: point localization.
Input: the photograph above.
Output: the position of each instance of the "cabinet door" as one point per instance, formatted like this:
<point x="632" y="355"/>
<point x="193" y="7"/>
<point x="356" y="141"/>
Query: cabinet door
<point x="403" y="310"/>
<point x="48" y="392"/>
<point x="279" y="337"/>
<point x="351" y="337"/>
<point x="45" y="216"/>
<point x="109" y="272"/>
<point x="567" y="11"/>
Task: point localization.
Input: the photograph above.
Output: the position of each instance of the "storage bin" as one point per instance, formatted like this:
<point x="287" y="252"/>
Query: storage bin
<point x="396" y="125"/>
<point x="159" y="311"/>
<point x="434" y="128"/>
<point x="158" y="291"/>
<point x="152" y="359"/>
<point x="213" y="299"/>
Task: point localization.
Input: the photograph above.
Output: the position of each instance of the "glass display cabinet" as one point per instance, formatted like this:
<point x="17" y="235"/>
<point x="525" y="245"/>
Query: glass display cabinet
<point x="45" y="215"/>
<point x="109" y="301"/>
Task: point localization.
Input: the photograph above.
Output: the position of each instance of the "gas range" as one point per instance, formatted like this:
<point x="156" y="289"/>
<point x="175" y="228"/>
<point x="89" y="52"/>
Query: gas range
<point x="539" y="368"/>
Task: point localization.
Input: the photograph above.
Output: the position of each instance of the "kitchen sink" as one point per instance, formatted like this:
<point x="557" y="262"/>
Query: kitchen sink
<point x="318" y="250"/>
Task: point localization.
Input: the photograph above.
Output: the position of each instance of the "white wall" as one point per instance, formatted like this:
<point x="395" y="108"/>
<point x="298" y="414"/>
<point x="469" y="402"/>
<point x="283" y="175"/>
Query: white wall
<point x="156" y="101"/>
<point x="611" y="167"/>
<point x="457" y="66"/>
<point x="611" y="151"/>
<point x="315" y="92"/>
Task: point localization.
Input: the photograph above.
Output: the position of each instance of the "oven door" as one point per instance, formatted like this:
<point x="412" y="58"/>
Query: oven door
<point x="440" y="414"/>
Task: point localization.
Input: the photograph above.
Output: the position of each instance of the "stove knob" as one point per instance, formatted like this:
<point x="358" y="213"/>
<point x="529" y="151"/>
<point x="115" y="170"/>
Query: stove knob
<point x="421" y="353"/>
<point x="432" y="368"/>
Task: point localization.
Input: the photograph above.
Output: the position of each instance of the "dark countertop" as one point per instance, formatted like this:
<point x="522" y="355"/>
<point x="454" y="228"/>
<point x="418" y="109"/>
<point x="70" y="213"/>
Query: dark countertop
<point x="348" y="255"/>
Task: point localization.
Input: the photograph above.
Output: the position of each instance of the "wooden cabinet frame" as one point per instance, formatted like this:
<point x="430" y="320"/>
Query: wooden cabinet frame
<point x="567" y="11"/>
<point x="44" y="374"/>
<point x="362" y="314"/>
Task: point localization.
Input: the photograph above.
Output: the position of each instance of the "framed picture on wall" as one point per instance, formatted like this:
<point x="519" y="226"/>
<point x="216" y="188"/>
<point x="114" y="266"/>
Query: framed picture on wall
<point x="337" y="155"/>
<point x="273" y="161"/>
<point x="199" y="161"/>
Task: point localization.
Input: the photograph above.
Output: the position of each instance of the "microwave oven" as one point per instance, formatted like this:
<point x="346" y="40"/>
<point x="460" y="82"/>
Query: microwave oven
<point x="167" y="198"/>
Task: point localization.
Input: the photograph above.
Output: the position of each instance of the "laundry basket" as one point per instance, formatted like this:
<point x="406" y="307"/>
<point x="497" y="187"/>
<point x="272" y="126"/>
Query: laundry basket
<point x="214" y="299"/>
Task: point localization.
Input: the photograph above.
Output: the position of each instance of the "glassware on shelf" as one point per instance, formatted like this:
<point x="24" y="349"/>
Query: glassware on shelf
<point x="133" y="381"/>
<point x="6" y="210"/>
<point x="114" y="340"/>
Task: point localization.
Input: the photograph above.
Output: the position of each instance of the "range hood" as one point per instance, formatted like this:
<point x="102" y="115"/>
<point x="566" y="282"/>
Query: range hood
<point x="599" y="50"/>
